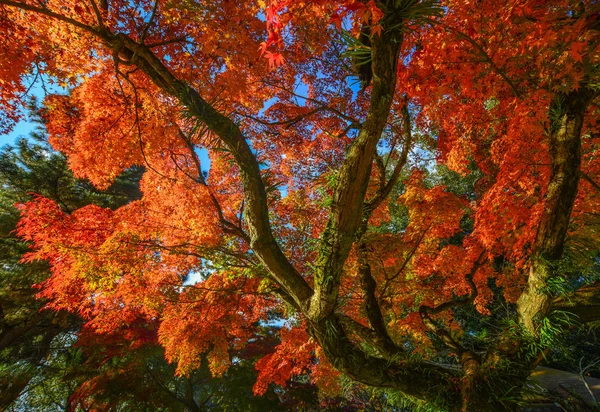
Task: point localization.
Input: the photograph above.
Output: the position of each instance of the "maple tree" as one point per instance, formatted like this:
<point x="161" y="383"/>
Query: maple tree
<point x="49" y="362"/>
<point x="325" y="204"/>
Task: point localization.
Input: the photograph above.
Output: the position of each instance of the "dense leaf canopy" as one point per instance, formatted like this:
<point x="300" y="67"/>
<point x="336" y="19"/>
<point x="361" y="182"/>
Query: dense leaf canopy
<point x="49" y="362"/>
<point x="410" y="185"/>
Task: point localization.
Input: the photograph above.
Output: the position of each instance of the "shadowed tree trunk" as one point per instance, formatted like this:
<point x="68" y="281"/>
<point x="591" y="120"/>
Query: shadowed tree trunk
<point x="566" y="114"/>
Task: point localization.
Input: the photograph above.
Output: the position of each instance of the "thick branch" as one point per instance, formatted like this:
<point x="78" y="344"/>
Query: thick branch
<point x="257" y="213"/>
<point x="353" y="178"/>
<point x="371" y="337"/>
<point x="418" y="379"/>
<point x="584" y="303"/>
<point x="380" y="337"/>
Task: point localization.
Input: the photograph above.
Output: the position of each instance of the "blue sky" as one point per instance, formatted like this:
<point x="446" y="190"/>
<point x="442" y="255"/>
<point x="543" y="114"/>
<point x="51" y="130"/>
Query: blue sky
<point x="41" y="85"/>
<point x="22" y="130"/>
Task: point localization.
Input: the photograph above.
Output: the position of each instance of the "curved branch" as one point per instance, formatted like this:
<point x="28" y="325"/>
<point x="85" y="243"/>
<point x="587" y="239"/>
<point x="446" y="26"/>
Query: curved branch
<point x="97" y="13"/>
<point x="410" y="255"/>
<point x="49" y="13"/>
<point x="371" y="337"/>
<point x="426" y="311"/>
<point x="380" y="337"/>
<point x="262" y="240"/>
<point x="584" y="303"/>
<point x="414" y="378"/>
<point x="318" y="102"/>
<point x="150" y="21"/>
<point x="588" y="179"/>
<point x="387" y="188"/>
<point x="228" y="226"/>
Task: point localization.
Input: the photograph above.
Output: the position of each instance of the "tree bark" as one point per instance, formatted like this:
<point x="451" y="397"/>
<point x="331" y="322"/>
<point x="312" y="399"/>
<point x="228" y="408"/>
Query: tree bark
<point x="262" y="240"/>
<point x="353" y="178"/>
<point x="567" y="113"/>
<point x="584" y="303"/>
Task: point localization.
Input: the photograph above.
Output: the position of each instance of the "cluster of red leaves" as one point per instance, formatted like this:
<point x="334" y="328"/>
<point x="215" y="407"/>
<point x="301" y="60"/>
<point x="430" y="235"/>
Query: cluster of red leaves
<point x="214" y="317"/>
<point x="296" y="355"/>
<point x="278" y="14"/>
<point x="102" y="259"/>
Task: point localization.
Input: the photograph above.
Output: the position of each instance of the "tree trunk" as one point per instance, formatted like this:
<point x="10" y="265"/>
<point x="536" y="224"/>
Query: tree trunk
<point x="566" y="115"/>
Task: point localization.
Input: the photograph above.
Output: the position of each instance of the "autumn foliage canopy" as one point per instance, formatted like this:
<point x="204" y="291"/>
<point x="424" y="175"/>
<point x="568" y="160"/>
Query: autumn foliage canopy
<point x="408" y="184"/>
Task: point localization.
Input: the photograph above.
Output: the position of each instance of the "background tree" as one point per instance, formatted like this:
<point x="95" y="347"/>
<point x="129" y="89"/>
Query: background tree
<point x="28" y="334"/>
<point x="320" y="206"/>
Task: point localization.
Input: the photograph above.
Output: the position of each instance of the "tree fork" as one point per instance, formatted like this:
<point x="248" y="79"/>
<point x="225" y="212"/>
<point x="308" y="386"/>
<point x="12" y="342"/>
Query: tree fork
<point x="414" y="379"/>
